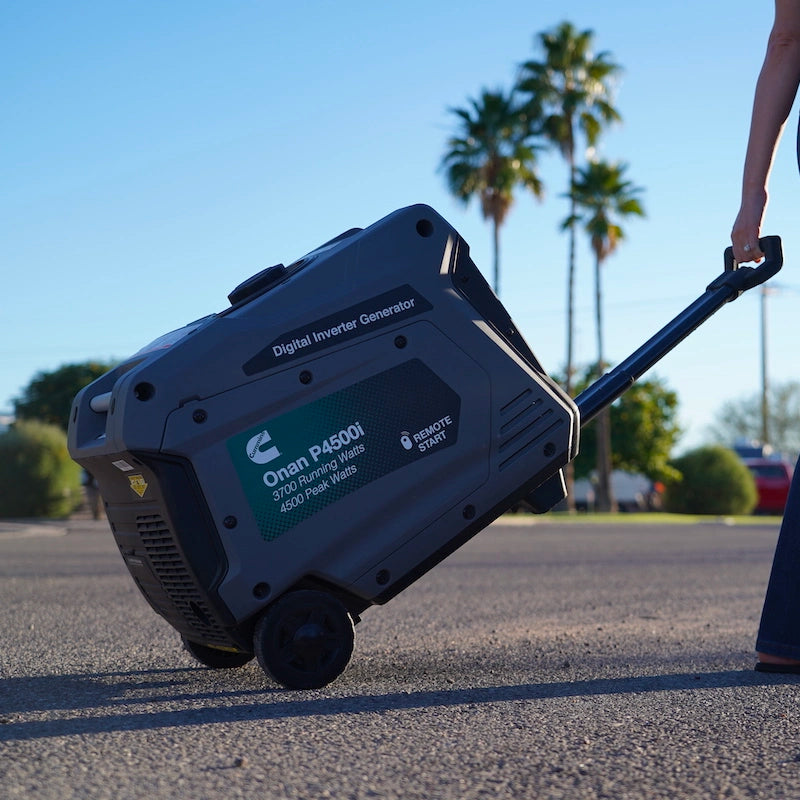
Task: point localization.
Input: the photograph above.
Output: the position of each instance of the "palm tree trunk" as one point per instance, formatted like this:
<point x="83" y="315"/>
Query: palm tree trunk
<point x="571" y="287"/>
<point x="605" y="490"/>
<point x="569" y="470"/>
<point x="496" y="235"/>
<point x="605" y="500"/>
<point x="598" y="318"/>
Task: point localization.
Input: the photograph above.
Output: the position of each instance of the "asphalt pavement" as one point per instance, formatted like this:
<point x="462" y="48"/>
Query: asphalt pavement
<point x="542" y="660"/>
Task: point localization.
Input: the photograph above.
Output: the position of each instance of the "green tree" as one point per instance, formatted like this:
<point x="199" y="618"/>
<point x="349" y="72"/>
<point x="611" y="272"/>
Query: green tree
<point x="570" y="89"/>
<point x="49" y="395"/>
<point x="714" y="480"/>
<point x="644" y="429"/>
<point x="37" y="476"/>
<point x="602" y="199"/>
<point x="741" y="418"/>
<point x="489" y="156"/>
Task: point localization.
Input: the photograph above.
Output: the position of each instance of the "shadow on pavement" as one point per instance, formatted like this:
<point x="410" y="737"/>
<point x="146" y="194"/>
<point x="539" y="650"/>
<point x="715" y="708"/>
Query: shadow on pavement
<point x="110" y="702"/>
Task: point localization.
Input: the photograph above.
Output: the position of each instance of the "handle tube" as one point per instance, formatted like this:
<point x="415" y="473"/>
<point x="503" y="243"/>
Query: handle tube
<point x="728" y="286"/>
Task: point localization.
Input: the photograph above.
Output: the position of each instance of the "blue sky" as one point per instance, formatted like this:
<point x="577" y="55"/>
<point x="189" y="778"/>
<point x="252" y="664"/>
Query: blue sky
<point x="153" y="155"/>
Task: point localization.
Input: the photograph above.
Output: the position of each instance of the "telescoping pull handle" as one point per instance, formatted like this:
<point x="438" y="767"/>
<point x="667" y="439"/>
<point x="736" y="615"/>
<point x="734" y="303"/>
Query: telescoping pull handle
<point x="742" y="277"/>
<point x="728" y="286"/>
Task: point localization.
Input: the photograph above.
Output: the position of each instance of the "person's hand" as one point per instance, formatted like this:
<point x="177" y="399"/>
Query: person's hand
<point x="746" y="248"/>
<point x="746" y="232"/>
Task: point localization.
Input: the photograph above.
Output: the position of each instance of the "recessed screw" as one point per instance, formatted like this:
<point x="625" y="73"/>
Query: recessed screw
<point x="400" y="342"/>
<point x="199" y="416"/>
<point x="144" y="391"/>
<point x="306" y="377"/>
<point x="425" y="228"/>
<point x="549" y="449"/>
<point x="261" y="590"/>
<point x="469" y="512"/>
<point x="230" y="522"/>
<point x="382" y="578"/>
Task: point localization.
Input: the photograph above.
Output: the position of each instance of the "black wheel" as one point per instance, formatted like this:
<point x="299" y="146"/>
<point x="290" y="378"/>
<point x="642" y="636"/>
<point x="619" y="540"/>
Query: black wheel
<point x="304" y="640"/>
<point x="214" y="657"/>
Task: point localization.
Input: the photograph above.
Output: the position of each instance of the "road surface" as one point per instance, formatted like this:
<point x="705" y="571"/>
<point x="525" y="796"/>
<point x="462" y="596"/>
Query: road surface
<point x="542" y="660"/>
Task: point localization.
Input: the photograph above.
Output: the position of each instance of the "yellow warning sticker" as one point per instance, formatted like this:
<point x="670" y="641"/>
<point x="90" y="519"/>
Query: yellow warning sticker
<point x="138" y="484"/>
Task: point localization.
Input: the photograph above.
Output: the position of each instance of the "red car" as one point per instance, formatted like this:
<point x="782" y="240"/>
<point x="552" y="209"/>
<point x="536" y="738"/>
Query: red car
<point x="772" y="483"/>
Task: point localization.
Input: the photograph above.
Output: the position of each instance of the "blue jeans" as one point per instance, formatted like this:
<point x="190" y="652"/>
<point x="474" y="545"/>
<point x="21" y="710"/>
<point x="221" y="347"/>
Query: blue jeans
<point x="779" y="632"/>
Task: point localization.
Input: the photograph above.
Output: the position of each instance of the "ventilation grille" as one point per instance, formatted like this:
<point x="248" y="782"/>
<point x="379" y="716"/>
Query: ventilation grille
<point x="525" y="422"/>
<point x="176" y="580"/>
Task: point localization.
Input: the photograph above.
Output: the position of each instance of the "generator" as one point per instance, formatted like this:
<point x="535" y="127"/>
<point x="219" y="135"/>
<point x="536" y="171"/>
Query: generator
<point x="272" y="470"/>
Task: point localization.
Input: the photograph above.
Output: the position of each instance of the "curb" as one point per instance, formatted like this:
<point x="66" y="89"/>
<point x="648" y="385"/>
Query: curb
<point x="24" y="529"/>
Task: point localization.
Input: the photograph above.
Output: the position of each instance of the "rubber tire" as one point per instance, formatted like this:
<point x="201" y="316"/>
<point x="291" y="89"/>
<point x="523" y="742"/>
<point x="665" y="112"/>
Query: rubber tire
<point x="304" y="640"/>
<point x="214" y="658"/>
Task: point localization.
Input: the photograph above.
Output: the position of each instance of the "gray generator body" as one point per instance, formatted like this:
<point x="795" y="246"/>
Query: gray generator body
<point x="347" y="422"/>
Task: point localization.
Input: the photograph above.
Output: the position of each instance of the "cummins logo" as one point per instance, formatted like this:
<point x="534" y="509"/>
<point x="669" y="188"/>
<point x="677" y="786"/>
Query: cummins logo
<point x="259" y="452"/>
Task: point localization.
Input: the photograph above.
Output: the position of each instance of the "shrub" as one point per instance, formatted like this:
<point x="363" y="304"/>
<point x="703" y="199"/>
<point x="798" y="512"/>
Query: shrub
<point x="714" y="481"/>
<point x="37" y="476"/>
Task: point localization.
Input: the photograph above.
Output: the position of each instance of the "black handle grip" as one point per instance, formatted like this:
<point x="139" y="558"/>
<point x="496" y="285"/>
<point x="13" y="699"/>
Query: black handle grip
<point x="748" y="277"/>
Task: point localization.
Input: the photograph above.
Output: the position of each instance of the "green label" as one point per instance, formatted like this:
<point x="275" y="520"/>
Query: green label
<point x="296" y="464"/>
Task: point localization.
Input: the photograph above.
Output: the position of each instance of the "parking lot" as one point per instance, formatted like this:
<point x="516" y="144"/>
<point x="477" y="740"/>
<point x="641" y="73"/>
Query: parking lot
<point x="545" y="659"/>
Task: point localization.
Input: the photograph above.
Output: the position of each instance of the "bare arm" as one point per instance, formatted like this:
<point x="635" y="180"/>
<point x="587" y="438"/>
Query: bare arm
<point x="775" y="92"/>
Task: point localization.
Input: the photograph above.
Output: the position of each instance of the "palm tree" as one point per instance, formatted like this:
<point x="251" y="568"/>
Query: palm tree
<point x="602" y="197"/>
<point x="490" y="156"/>
<point x="572" y="91"/>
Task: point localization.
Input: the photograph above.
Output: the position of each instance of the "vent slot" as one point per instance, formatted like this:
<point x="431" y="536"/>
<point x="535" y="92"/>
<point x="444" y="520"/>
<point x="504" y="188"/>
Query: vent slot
<point x="521" y="414"/>
<point x="523" y="444"/>
<point x="520" y="401"/>
<point x="525" y="422"/>
<point x="176" y="580"/>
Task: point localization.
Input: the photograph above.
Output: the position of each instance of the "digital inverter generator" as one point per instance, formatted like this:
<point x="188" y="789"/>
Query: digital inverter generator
<point x="272" y="470"/>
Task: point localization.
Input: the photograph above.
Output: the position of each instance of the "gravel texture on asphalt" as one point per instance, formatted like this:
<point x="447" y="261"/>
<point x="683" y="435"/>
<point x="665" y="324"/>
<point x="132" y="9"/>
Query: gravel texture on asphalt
<point x="539" y="661"/>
